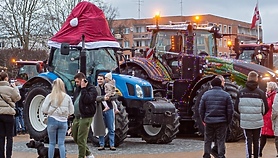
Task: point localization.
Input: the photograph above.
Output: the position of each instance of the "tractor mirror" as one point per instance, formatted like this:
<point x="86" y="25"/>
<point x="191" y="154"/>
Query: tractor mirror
<point x="65" y="49"/>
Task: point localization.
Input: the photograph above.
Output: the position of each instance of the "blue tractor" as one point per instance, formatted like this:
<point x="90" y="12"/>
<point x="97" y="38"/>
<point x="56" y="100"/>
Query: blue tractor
<point x="153" y="119"/>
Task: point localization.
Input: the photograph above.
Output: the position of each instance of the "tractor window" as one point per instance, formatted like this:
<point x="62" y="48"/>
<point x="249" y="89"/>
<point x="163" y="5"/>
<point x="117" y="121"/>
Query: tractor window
<point x="203" y="42"/>
<point x="99" y="60"/>
<point x="66" y="64"/>
<point x="27" y="71"/>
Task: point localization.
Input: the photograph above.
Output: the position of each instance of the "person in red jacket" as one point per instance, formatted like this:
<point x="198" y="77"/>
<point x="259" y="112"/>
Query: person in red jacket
<point x="267" y="130"/>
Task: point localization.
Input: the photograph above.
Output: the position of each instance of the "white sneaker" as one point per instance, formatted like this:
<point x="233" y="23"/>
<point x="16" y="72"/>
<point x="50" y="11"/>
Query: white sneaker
<point x="90" y="156"/>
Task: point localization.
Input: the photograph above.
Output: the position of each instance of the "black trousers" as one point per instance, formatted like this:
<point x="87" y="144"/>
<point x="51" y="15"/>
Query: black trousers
<point x="252" y="137"/>
<point x="215" y="132"/>
<point x="6" y="132"/>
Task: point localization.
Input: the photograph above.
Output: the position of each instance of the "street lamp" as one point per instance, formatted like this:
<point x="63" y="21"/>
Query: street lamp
<point x="157" y="16"/>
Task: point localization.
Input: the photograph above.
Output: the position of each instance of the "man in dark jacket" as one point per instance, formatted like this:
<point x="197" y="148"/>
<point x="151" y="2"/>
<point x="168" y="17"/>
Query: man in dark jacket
<point x="216" y="111"/>
<point x="84" y="110"/>
<point x="251" y="104"/>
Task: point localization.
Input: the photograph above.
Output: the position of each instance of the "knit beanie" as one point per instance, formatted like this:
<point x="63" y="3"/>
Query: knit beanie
<point x="109" y="75"/>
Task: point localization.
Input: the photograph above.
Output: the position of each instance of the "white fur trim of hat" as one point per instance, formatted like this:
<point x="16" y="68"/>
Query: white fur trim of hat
<point x="109" y="75"/>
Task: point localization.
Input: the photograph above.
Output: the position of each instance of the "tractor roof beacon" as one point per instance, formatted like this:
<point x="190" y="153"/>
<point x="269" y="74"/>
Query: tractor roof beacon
<point x="181" y="62"/>
<point x="74" y="49"/>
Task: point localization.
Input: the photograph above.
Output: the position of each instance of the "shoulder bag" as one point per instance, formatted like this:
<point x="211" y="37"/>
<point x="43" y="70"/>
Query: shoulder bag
<point x="46" y="119"/>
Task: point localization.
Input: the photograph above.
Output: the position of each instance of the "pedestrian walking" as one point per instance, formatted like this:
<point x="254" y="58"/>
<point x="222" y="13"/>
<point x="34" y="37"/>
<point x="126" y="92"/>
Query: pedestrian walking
<point x="271" y="90"/>
<point x="216" y="111"/>
<point x="58" y="106"/>
<point x="108" y="116"/>
<point x="251" y="104"/>
<point x="9" y="94"/>
<point x="84" y="110"/>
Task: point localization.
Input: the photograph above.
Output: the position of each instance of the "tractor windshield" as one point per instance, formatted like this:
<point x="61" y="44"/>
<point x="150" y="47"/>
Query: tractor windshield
<point x="100" y="59"/>
<point x="26" y="72"/>
<point x="247" y="55"/>
<point x="203" y="42"/>
<point x="97" y="60"/>
<point x="165" y="41"/>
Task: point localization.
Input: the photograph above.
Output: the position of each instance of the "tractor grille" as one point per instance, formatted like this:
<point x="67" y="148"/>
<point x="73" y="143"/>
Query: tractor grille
<point x="147" y="91"/>
<point x="131" y="89"/>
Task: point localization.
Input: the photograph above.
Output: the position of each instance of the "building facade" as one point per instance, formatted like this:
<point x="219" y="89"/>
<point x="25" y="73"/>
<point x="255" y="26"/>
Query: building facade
<point x="132" y="33"/>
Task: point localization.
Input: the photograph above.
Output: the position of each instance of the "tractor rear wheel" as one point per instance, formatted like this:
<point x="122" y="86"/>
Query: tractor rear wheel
<point x="33" y="116"/>
<point x="234" y="132"/>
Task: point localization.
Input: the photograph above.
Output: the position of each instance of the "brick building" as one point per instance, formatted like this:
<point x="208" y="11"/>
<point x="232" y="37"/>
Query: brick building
<point x="133" y="33"/>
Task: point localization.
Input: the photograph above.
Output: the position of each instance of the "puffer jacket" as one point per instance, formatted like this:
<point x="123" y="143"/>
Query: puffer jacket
<point x="251" y="104"/>
<point x="11" y="95"/>
<point x="64" y="110"/>
<point x="216" y="106"/>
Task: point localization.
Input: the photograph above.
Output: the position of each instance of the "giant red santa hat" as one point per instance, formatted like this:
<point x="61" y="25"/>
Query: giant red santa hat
<point x="85" y="19"/>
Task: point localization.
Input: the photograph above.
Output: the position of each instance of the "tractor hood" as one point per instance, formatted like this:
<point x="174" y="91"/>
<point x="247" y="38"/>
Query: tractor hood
<point x="132" y="87"/>
<point x="246" y="67"/>
<point x="238" y="69"/>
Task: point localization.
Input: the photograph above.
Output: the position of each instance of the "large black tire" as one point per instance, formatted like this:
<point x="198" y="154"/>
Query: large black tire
<point x="33" y="116"/>
<point x="234" y="132"/>
<point x="121" y="128"/>
<point x="162" y="134"/>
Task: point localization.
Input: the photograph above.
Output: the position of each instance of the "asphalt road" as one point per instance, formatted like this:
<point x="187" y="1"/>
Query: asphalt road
<point x="191" y="147"/>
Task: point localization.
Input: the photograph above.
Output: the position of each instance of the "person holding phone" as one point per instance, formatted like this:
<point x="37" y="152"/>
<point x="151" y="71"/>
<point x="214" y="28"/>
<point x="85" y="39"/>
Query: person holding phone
<point x="84" y="98"/>
<point x="9" y="94"/>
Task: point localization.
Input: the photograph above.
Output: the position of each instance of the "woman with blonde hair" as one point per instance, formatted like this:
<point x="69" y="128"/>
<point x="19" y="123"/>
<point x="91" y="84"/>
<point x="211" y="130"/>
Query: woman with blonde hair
<point x="271" y="90"/>
<point x="58" y="106"/>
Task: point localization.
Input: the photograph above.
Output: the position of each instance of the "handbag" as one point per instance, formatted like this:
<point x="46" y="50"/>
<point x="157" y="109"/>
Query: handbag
<point x="46" y="119"/>
<point x="16" y="110"/>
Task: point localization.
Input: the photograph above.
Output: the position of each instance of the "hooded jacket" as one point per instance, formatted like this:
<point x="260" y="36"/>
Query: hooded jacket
<point x="11" y="95"/>
<point x="251" y="104"/>
<point x="87" y="106"/>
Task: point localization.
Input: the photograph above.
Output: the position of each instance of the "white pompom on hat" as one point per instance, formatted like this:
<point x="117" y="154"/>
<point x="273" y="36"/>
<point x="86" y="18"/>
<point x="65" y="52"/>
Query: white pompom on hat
<point x="109" y="75"/>
<point x="74" y="22"/>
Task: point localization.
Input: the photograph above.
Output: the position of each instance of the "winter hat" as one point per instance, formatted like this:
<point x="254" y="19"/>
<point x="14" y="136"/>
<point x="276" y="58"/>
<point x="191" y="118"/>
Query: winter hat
<point x="216" y="82"/>
<point x="109" y="75"/>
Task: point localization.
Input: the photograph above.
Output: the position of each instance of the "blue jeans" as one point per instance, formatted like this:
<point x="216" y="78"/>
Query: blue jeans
<point x="19" y="121"/>
<point x="108" y="117"/>
<point x="56" y="128"/>
<point x="215" y="132"/>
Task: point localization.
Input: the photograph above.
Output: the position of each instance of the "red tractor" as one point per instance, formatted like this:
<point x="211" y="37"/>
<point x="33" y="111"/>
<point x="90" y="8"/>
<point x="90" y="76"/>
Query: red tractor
<point x="27" y="70"/>
<point x="262" y="54"/>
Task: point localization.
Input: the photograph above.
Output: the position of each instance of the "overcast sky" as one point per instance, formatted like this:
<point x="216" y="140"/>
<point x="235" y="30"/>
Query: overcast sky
<point x="241" y="10"/>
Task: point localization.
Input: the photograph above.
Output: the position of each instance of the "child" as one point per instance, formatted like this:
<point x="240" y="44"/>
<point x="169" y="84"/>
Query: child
<point x="110" y="90"/>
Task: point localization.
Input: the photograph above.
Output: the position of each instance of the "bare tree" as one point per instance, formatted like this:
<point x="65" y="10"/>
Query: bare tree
<point x="58" y="11"/>
<point x="22" y="19"/>
<point x="32" y="22"/>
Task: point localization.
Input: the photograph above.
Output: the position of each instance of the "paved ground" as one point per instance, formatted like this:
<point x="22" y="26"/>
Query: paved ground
<point x="136" y="148"/>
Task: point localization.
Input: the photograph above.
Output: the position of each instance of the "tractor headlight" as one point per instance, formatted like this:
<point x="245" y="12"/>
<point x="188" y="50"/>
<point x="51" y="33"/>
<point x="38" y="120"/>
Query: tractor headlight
<point x="266" y="77"/>
<point x="139" y="91"/>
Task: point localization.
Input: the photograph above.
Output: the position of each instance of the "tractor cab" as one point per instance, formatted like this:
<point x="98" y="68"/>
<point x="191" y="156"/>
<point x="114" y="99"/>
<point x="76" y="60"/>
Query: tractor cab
<point x="170" y="42"/>
<point x="66" y="65"/>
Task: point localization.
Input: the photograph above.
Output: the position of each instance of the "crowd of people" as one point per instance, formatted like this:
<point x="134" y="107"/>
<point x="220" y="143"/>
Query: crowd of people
<point x="258" y="112"/>
<point x="89" y="102"/>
